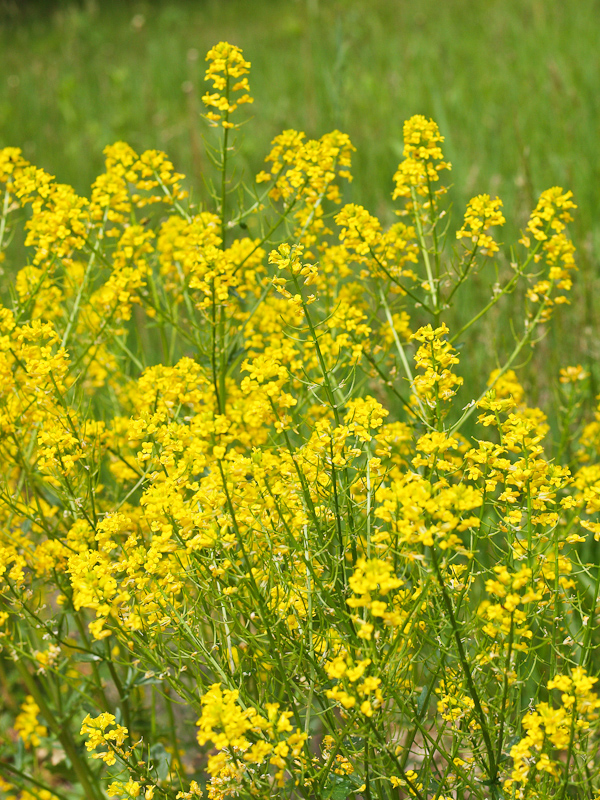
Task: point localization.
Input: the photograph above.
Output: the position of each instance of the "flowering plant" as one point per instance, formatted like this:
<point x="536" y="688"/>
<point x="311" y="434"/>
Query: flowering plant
<point x="256" y="535"/>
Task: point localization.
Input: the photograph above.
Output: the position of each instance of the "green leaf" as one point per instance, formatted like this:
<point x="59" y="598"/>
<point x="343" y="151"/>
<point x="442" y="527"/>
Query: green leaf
<point x="161" y="761"/>
<point x="422" y="700"/>
<point x="340" y="788"/>
<point x="339" y="792"/>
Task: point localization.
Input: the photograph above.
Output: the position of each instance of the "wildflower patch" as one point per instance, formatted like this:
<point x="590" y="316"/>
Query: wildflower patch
<point x="258" y="535"/>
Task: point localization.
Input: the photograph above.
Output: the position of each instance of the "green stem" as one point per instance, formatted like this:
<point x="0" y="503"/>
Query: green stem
<point x="425" y="254"/>
<point x="491" y="766"/>
<point x="401" y="353"/>
<point x="63" y="734"/>
<point x="75" y="310"/>
<point x="508" y="288"/>
<point x="565" y="785"/>
<point x="3" y="217"/>
<point x="520" y="345"/>
<point x="505" y="690"/>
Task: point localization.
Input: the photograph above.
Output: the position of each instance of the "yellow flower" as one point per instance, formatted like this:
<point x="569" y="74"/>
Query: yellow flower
<point x="27" y="725"/>
<point x="227" y="71"/>
<point x="98" y="736"/>
<point x="572" y="374"/>
<point x="482" y="214"/>
<point x="423" y="158"/>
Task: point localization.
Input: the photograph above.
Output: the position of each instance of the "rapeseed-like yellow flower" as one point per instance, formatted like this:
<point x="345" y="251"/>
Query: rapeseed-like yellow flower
<point x="27" y="725"/>
<point x="482" y="213"/>
<point x="227" y="71"/>
<point x="423" y="159"/>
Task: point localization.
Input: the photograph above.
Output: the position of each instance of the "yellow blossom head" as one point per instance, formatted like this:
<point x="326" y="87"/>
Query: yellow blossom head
<point x="227" y="69"/>
<point x="423" y="158"/>
<point x="483" y="213"/>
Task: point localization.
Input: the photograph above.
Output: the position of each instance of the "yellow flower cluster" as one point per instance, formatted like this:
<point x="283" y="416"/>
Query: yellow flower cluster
<point x="435" y="357"/>
<point x="27" y="725"/>
<point x="423" y="159"/>
<point x="546" y="227"/>
<point x="386" y="254"/>
<point x="304" y="173"/>
<point x="550" y="729"/>
<point x="225" y="725"/>
<point x="354" y="688"/>
<point x="129" y="181"/>
<point x="505" y="617"/>
<point x="482" y="213"/>
<point x="128" y="789"/>
<point x="227" y="71"/>
<point x="98" y="736"/>
<point x="454" y="704"/>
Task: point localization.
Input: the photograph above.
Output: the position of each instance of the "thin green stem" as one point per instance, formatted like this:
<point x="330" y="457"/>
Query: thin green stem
<point x="491" y="766"/>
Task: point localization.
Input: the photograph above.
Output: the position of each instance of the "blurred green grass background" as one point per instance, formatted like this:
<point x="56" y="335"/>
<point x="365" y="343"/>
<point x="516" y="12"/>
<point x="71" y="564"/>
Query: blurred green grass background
<point x="513" y="84"/>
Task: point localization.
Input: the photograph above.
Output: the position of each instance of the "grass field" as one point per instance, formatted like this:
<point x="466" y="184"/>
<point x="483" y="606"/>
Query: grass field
<point x="512" y="84"/>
